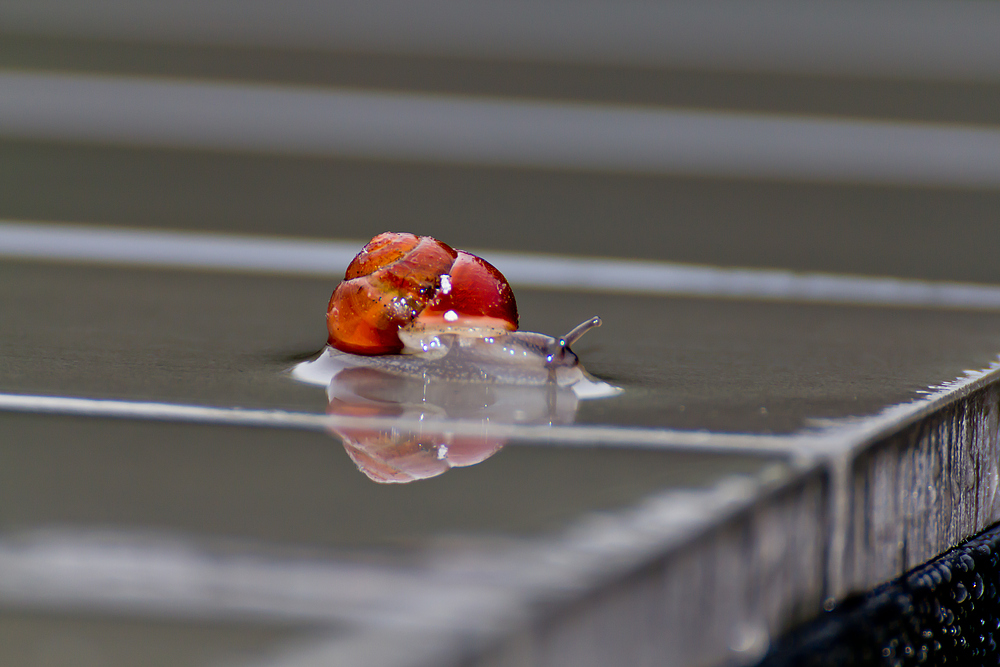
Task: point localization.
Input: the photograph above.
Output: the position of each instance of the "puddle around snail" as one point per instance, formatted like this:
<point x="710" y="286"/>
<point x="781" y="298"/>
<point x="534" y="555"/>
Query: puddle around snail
<point x="459" y="386"/>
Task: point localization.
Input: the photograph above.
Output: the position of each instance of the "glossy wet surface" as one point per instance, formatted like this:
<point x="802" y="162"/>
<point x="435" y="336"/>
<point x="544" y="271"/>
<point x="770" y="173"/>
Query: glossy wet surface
<point x="229" y="341"/>
<point x="137" y="528"/>
<point x="301" y="489"/>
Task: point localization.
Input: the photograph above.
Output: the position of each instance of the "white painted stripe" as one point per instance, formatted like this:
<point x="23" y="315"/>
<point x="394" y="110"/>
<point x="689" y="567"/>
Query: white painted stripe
<point x="578" y="436"/>
<point x="824" y="440"/>
<point x="664" y="278"/>
<point x="82" y="243"/>
<point x="90" y="407"/>
<point x="328" y="259"/>
<point x="456" y="130"/>
<point x="905" y="38"/>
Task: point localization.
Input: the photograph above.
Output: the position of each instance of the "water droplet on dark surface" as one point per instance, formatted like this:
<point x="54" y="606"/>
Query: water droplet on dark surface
<point x="976" y="584"/>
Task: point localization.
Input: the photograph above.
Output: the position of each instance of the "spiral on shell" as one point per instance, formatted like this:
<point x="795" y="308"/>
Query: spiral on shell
<point x="401" y="281"/>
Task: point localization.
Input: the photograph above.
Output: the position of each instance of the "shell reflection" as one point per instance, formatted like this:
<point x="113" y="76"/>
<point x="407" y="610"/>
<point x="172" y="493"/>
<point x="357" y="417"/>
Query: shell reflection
<point x="432" y="394"/>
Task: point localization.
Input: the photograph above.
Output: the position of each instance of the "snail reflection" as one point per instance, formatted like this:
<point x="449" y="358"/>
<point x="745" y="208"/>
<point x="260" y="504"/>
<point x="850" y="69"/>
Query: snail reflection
<point x="423" y="334"/>
<point x="455" y="389"/>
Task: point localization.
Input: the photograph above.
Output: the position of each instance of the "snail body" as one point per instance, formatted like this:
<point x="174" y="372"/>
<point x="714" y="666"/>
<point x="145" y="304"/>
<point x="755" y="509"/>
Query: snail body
<point x="514" y="358"/>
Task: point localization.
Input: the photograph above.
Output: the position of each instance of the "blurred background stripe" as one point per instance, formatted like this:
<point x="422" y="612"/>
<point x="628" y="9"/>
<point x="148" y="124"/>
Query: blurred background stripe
<point x="928" y="40"/>
<point x="324" y="257"/>
<point x="483" y="131"/>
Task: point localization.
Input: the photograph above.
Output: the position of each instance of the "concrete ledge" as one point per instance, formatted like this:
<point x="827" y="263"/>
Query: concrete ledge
<point x="714" y="599"/>
<point x="919" y="492"/>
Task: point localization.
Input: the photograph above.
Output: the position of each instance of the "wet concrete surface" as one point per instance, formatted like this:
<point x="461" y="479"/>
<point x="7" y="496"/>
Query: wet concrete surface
<point x="301" y="490"/>
<point x="89" y="640"/>
<point x="228" y="340"/>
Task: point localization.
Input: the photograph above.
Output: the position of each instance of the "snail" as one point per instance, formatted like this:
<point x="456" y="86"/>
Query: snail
<point x="424" y="333"/>
<point x="412" y="305"/>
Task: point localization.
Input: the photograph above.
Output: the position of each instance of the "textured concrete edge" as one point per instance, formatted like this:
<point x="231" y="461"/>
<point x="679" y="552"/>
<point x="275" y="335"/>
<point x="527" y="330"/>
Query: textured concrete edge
<point x="916" y="493"/>
<point x="901" y="500"/>
<point x="714" y="598"/>
<point x="651" y="564"/>
<point x="907" y="492"/>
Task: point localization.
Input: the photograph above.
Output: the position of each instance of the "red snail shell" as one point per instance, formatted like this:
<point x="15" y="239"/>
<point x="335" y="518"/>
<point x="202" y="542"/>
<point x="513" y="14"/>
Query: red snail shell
<point x="416" y="284"/>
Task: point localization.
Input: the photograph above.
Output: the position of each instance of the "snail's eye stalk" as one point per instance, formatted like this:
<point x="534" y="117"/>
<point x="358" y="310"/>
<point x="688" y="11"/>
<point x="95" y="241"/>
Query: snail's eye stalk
<point x="560" y="348"/>
<point x="578" y="331"/>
